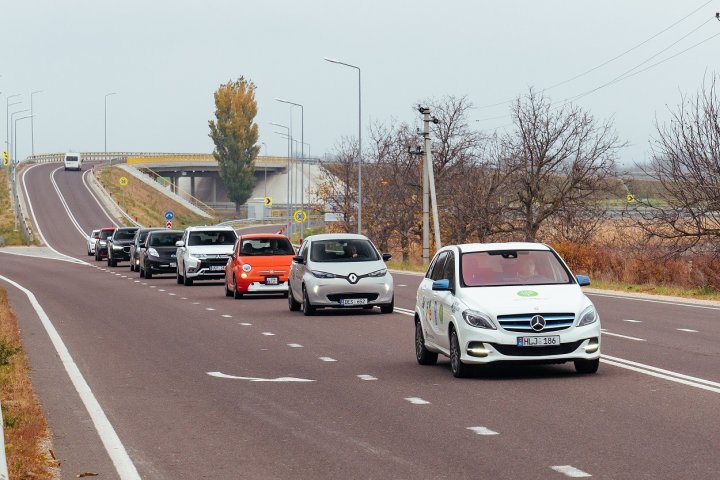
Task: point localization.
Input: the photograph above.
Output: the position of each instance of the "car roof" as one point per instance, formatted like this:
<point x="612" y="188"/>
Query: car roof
<point x="164" y="230"/>
<point x="337" y="236"/>
<point x="107" y="229"/>
<point x="127" y="228"/>
<point x="263" y="235"/>
<point x="489" y="247"/>
<point x="207" y="228"/>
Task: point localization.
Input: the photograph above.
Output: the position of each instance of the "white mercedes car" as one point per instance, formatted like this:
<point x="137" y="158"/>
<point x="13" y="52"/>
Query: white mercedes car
<point x="482" y="303"/>
<point x="340" y="270"/>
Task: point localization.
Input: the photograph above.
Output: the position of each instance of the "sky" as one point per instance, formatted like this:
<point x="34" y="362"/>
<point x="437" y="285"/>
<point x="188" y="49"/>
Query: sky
<point x="164" y="59"/>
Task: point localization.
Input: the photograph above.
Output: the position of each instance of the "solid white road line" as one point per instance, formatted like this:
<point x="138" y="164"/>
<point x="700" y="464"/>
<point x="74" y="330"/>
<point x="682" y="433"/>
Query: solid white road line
<point x="672" y="376"/>
<point x="687" y="330"/>
<point x="405" y="311"/>
<point x="92" y="194"/>
<point x="119" y="456"/>
<point x="667" y="302"/>
<point x="482" y="430"/>
<point x="605" y="332"/>
<point x="367" y="377"/>
<point x="65" y="205"/>
<point x="328" y="359"/>
<point x="417" y="401"/>
<point x="570" y="471"/>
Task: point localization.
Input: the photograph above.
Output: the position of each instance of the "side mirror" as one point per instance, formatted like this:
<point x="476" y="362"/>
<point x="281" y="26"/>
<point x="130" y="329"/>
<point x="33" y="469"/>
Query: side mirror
<point x="386" y="256"/>
<point x="583" y="280"/>
<point x="298" y="259"/>
<point x="179" y="243"/>
<point x="441" y="285"/>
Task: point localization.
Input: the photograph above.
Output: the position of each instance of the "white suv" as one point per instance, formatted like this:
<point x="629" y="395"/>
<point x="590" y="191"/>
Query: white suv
<point x="203" y="253"/>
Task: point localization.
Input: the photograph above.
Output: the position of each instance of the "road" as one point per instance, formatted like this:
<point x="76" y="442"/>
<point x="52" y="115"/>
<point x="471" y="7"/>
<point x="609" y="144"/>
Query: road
<point x="177" y="373"/>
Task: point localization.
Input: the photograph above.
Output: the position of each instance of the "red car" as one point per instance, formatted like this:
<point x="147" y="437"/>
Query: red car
<point x="260" y="263"/>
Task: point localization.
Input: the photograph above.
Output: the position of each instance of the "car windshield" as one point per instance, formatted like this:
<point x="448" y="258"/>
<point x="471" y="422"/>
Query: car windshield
<point x="105" y="234"/>
<point x="350" y="250"/>
<point x="512" y="267"/>
<point x="124" y="235"/>
<point x="165" y="239"/>
<point x="266" y="246"/>
<point x="221" y="237"/>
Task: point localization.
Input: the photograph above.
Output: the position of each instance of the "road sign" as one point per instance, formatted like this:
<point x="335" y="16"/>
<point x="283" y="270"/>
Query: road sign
<point x="123" y="181"/>
<point x="169" y="215"/>
<point x="6" y="158"/>
<point x="168" y="225"/>
<point x="299" y="216"/>
<point x="268" y="201"/>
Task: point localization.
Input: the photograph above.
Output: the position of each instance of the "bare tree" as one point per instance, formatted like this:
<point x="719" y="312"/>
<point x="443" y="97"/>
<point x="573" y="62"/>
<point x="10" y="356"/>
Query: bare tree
<point x="337" y="185"/>
<point x="560" y="156"/>
<point x="686" y="163"/>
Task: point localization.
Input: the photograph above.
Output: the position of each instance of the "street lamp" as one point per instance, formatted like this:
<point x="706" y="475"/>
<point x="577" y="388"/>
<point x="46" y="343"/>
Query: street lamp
<point x="288" y="171"/>
<point x="7" y="117"/>
<point x="32" y="123"/>
<point x="14" y="156"/>
<point x="302" y="157"/>
<point x="332" y="60"/>
<point x="14" y="167"/>
<point x="11" y="145"/>
<point x="265" y="166"/>
<point x="107" y="95"/>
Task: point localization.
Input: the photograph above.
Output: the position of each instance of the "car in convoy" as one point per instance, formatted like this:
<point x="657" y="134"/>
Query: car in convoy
<point x="101" y="250"/>
<point x="159" y="252"/>
<point x="340" y="270"/>
<point x="203" y="252"/>
<point x="73" y="161"/>
<point x="482" y="303"/>
<point x="260" y="263"/>
<point x="94" y="235"/>
<point x="118" y="245"/>
<point x="137" y="246"/>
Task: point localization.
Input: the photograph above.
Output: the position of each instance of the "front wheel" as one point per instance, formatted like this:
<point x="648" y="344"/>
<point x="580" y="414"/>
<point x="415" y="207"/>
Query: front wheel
<point x="148" y="273"/>
<point x="187" y="281"/>
<point x="236" y="294"/>
<point x="587" y="366"/>
<point x="389" y="307"/>
<point x="228" y="292"/>
<point x="178" y="278"/>
<point x="423" y="355"/>
<point x="459" y="369"/>
<point x="308" y="308"/>
<point x="293" y="304"/>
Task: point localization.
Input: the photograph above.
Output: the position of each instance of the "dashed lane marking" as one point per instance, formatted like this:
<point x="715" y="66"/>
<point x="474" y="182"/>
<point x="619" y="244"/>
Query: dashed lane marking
<point x="196" y="303"/>
<point x="227" y="316"/>
<point x="161" y="290"/>
<point x="482" y="430"/>
<point x="687" y="330"/>
<point x="632" y="321"/>
<point x="210" y="309"/>
<point x="328" y="359"/>
<point x="172" y="294"/>
<point x="294" y="345"/>
<point x="417" y="401"/>
<point x="570" y="471"/>
<point x="268" y="334"/>
<point x="366" y="377"/>
<point x="246" y="324"/>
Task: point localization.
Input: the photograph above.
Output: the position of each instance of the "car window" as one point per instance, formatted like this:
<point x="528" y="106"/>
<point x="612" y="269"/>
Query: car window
<point x="105" y="234"/>
<point x="439" y="267"/>
<point x="513" y="267"/>
<point x="266" y="246"/>
<point x="304" y="251"/>
<point x="210" y="237"/>
<point x="164" y="239"/>
<point x="124" y="234"/>
<point x="350" y="250"/>
<point x="449" y="270"/>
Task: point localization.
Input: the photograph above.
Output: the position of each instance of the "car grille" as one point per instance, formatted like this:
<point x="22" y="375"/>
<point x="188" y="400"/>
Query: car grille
<point x="205" y="262"/>
<point x="521" y="322"/>
<point x="515" y="351"/>
<point x="126" y="249"/>
<point x="335" y="297"/>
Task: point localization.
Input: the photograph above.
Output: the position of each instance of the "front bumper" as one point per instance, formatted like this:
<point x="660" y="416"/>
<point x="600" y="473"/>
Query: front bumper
<point x="160" y="265"/>
<point x="206" y="269"/>
<point x="329" y="292"/>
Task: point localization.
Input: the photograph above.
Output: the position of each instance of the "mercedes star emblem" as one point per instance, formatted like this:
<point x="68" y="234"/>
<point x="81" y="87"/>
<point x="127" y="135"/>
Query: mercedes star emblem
<point x="537" y="323"/>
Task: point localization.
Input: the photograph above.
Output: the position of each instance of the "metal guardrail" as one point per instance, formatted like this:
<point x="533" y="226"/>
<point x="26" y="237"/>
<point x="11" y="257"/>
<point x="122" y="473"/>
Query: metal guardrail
<point x="182" y="193"/>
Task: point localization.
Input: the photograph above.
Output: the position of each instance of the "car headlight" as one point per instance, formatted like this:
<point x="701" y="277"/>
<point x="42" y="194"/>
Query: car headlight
<point x="152" y="252"/>
<point x="588" y="316"/>
<point x="478" y="319"/>
<point x="117" y="247"/>
<point x="378" y="273"/>
<point x="199" y="256"/>
<point x="246" y="267"/>
<point x="318" y="274"/>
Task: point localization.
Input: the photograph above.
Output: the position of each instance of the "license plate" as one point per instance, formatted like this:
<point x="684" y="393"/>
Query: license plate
<point x="216" y="268"/>
<point x="173" y="264"/>
<point x="547" y="341"/>
<point x="353" y="301"/>
<point x="271" y="280"/>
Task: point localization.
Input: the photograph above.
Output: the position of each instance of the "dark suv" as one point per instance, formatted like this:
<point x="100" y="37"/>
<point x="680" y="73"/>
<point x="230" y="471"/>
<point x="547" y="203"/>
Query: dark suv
<point x="118" y="246"/>
<point x="158" y="253"/>
<point x="137" y="246"/>
<point x="101" y="250"/>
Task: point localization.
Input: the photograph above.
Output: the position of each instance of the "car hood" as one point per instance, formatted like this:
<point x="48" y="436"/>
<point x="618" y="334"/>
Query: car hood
<point x="524" y="299"/>
<point x="211" y="249"/>
<point x="346" y="268"/>
<point x="267" y="261"/>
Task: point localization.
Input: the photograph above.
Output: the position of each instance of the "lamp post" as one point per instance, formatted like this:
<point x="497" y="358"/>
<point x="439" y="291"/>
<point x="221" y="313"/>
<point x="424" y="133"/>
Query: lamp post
<point x="106" y="96"/>
<point x="14" y="170"/>
<point x="7" y="118"/>
<point x="302" y="157"/>
<point x="332" y="60"/>
<point x="11" y="142"/>
<point x="288" y="172"/>
<point x="14" y="155"/>
<point x="32" y="123"/>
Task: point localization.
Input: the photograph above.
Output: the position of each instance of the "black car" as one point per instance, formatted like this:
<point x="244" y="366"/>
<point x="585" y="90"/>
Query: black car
<point x="158" y="253"/>
<point x="101" y="250"/>
<point x="118" y="246"/>
<point x="137" y="246"/>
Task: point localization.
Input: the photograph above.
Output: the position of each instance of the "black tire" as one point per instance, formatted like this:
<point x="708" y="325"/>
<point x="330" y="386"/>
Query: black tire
<point x="293" y="304"/>
<point x="389" y="307"/>
<point x="459" y="369"/>
<point x="228" y="292"/>
<point x="132" y="265"/>
<point x="178" y="278"/>
<point x="587" y="366"/>
<point x="90" y="254"/>
<point x="187" y="281"/>
<point x="148" y="273"/>
<point x="108" y="261"/>
<point x="422" y="354"/>
<point x="142" y="272"/>
<point x="236" y="295"/>
<point x="308" y="308"/>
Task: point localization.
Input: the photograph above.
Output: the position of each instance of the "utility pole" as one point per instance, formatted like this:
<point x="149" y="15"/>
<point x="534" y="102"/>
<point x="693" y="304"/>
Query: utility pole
<point x="428" y="187"/>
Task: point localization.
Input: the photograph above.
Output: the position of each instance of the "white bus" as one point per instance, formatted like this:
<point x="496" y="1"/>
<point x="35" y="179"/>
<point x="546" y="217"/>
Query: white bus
<point x="73" y="161"/>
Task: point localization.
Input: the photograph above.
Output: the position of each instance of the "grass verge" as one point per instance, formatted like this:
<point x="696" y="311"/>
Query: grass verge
<point x="27" y="438"/>
<point x="7" y="216"/>
<point x="695" y="293"/>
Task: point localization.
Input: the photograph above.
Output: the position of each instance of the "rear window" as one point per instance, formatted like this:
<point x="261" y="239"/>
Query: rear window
<point x="222" y="237"/>
<point x="71" y="159"/>
<point x="124" y="234"/>
<point x="165" y="239"/>
<point x="350" y="250"/>
<point x="266" y="246"/>
<point x="105" y="234"/>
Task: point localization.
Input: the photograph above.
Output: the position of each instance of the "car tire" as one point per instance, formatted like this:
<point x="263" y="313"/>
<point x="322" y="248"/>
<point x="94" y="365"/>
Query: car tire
<point x="587" y="366"/>
<point x="293" y="304"/>
<point x="187" y="281"/>
<point x="142" y="273"/>
<point x="458" y="368"/>
<point x="148" y="273"/>
<point x="236" y="295"/>
<point x="422" y="354"/>
<point x="132" y="265"/>
<point x="308" y="308"/>
<point x="179" y="278"/>
<point x="228" y="292"/>
<point x="97" y="257"/>
<point x="388" y="307"/>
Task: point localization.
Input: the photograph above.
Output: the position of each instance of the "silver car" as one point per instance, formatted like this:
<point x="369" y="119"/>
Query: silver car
<point x="340" y="270"/>
<point x="94" y="235"/>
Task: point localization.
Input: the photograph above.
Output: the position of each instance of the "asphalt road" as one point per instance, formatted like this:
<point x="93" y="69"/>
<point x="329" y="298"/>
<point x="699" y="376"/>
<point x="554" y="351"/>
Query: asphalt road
<point x="176" y="372"/>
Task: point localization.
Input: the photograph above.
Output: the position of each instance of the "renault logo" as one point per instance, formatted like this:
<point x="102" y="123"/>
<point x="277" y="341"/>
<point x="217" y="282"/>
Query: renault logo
<point x="537" y="323"/>
<point x="352" y="278"/>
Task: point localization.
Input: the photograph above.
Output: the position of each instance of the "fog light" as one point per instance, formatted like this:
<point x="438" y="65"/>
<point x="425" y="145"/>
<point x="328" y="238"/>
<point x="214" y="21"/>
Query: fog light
<point x="592" y="346"/>
<point x="192" y="269"/>
<point x="243" y="275"/>
<point x="477" y="349"/>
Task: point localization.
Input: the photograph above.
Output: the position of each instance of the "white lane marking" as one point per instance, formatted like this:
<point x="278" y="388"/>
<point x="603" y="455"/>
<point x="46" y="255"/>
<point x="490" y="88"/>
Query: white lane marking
<point x="183" y="298"/>
<point x="633" y="321"/>
<point x="172" y="294"/>
<point x="605" y="332"/>
<point x="366" y="377"/>
<point x="209" y="309"/>
<point x="124" y="276"/>
<point x="137" y="281"/>
<point x="328" y="359"/>
<point x="482" y="430"/>
<point x="254" y="379"/>
<point x="65" y="205"/>
<point x="144" y="283"/>
<point x="246" y="324"/>
<point x="687" y="330"/>
<point x="294" y="345"/>
<point x="417" y="401"/>
<point x="117" y="274"/>
<point x="92" y="194"/>
<point x="405" y="311"/>
<point x="120" y="458"/>
<point x="661" y="373"/>
<point x="161" y="289"/>
<point x="570" y="471"/>
<point x="152" y="286"/>
<point x="654" y="301"/>
<point x="227" y="316"/>
<point x="400" y="285"/>
<point x="196" y="303"/>
<point x="268" y="334"/>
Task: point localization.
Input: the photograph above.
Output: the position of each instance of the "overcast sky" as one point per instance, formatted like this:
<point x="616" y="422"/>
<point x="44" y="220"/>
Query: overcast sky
<point x="166" y="58"/>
